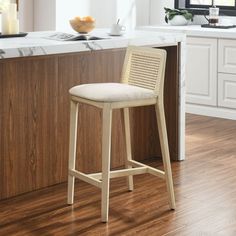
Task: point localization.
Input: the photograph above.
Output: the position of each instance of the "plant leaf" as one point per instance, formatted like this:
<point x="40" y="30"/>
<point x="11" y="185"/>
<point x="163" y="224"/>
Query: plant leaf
<point x="188" y="16"/>
<point x="167" y="9"/>
<point x="171" y="17"/>
<point x="171" y="13"/>
<point x="166" y="19"/>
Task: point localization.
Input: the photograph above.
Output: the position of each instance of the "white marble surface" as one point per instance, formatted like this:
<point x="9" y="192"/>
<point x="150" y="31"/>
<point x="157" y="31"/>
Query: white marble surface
<point x="193" y="30"/>
<point x="35" y="44"/>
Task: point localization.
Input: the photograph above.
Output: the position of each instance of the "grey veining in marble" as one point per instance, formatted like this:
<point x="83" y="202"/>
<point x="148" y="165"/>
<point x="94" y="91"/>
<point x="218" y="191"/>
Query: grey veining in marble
<point x="35" y="44"/>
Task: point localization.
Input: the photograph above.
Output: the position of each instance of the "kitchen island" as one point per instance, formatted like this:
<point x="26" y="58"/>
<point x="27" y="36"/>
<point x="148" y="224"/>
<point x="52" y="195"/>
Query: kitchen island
<point x="35" y="76"/>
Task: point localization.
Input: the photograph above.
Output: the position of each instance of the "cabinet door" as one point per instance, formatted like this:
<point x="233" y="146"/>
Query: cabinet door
<point x="201" y="71"/>
<point x="227" y="56"/>
<point x="227" y="90"/>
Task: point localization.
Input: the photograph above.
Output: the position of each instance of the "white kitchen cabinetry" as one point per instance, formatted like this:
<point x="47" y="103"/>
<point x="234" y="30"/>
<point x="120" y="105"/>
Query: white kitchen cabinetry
<point x="227" y="90"/>
<point x="227" y="56"/>
<point x="227" y="73"/>
<point x="211" y="77"/>
<point x="201" y="71"/>
<point x="210" y="69"/>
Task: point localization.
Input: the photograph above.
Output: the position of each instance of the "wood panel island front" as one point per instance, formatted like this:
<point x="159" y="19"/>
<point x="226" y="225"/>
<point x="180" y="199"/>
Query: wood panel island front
<point x="35" y="76"/>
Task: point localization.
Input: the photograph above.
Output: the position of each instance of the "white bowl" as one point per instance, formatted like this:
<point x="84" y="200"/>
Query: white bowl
<point x="179" y="20"/>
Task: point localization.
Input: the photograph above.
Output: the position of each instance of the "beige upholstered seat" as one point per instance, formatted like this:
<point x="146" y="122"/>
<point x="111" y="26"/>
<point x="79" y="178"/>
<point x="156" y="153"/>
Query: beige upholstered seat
<point x="142" y="84"/>
<point x="111" y="92"/>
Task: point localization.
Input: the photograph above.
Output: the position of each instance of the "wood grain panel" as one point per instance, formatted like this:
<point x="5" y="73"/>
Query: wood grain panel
<point x="34" y="123"/>
<point x="28" y="131"/>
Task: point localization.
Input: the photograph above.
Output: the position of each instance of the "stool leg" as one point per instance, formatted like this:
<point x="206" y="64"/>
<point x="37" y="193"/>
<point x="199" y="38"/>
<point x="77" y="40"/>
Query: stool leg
<point x="165" y="152"/>
<point x="72" y="149"/>
<point x="128" y="147"/>
<point x="106" y="153"/>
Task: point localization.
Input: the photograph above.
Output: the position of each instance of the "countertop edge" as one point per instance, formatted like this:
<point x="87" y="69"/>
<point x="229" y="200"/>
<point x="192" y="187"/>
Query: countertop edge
<point x="37" y="46"/>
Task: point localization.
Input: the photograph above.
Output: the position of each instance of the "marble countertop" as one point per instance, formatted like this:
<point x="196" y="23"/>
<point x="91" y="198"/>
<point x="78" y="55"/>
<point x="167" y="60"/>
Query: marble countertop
<point x="194" y="30"/>
<point x="35" y="43"/>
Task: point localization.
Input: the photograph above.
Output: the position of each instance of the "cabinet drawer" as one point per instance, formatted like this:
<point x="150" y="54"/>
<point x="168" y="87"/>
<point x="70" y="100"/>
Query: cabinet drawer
<point x="227" y="56"/>
<point x="227" y="90"/>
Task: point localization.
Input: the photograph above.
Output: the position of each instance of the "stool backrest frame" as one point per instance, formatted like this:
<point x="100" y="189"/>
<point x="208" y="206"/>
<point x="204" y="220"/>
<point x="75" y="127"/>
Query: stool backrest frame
<point x="145" y="67"/>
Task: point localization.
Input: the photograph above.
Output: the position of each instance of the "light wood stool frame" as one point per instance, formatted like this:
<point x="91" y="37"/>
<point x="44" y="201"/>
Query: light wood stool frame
<point x="102" y="180"/>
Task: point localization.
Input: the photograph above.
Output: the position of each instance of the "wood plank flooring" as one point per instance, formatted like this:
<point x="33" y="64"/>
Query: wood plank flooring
<point x="205" y="187"/>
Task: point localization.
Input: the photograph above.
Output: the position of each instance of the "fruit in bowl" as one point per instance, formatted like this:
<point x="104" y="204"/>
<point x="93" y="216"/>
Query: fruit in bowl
<point x="83" y="24"/>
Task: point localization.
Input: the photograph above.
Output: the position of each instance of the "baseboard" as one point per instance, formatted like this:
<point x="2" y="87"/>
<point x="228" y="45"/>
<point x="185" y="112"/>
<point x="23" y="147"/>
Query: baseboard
<point x="211" y="111"/>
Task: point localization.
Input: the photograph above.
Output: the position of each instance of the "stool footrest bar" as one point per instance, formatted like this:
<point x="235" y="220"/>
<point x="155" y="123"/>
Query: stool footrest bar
<point x="122" y="173"/>
<point x="85" y="178"/>
<point x="150" y="170"/>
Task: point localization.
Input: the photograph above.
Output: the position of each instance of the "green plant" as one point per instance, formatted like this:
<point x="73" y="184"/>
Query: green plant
<point x="171" y="13"/>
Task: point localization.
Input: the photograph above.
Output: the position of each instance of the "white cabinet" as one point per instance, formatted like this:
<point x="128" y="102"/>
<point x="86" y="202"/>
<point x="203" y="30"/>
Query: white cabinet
<point x="227" y="56"/>
<point x="210" y="70"/>
<point x="227" y="73"/>
<point x="227" y="90"/>
<point x="211" y="77"/>
<point x="201" y="71"/>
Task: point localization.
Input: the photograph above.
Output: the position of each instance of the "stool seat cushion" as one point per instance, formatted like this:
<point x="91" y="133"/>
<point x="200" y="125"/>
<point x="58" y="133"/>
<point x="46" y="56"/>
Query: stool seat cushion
<point x="111" y="92"/>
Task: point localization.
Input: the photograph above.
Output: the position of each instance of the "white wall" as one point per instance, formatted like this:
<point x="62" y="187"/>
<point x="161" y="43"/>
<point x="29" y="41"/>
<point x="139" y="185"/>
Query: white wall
<point x="157" y="12"/>
<point x="126" y="11"/>
<point x="142" y="12"/>
<point x="46" y="19"/>
<point x="130" y="12"/>
<point x="55" y="14"/>
<point x="104" y="11"/>
<point x="26" y="15"/>
<point x="66" y="10"/>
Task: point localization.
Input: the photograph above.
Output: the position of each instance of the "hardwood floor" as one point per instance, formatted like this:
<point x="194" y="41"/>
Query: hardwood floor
<point x="205" y="187"/>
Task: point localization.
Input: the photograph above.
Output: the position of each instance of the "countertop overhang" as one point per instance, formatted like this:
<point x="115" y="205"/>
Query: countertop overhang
<point x="35" y="43"/>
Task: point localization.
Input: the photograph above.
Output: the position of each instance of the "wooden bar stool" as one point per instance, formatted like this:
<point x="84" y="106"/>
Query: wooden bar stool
<point x="142" y="84"/>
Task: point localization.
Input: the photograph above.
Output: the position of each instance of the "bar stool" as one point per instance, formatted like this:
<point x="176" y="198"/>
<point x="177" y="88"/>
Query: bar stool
<point x="141" y="85"/>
